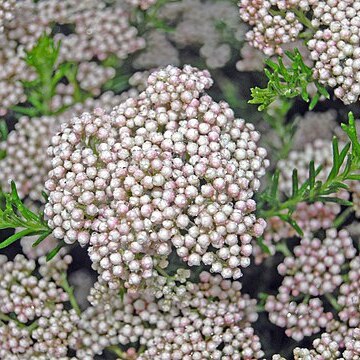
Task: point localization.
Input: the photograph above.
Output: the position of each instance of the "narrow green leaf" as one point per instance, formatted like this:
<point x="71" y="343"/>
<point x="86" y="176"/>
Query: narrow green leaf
<point x="55" y="251"/>
<point x="334" y="200"/>
<point x="312" y="174"/>
<point x="314" y="101"/>
<point x="41" y="238"/>
<point x="295" y="183"/>
<point x="264" y="248"/>
<point x="15" y="237"/>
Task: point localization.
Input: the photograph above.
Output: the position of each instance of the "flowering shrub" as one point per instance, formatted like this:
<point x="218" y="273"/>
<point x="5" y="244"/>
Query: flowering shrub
<point x="148" y="210"/>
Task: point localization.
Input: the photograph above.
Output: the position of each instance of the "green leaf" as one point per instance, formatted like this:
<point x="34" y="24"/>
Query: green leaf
<point x="15" y="237"/>
<point x="41" y="238"/>
<point x="334" y="200"/>
<point x="287" y="81"/>
<point x="295" y="183"/>
<point x="312" y="174"/>
<point x="3" y="130"/>
<point x="55" y="251"/>
<point x="15" y="215"/>
<point x="264" y="248"/>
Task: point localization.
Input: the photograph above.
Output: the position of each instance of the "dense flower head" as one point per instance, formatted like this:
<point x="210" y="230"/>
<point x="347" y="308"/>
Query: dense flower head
<point x="35" y="301"/>
<point x="299" y="319"/>
<point x="335" y="47"/>
<point x="331" y="30"/>
<point x="271" y="30"/>
<point x="26" y="161"/>
<point x="349" y="298"/>
<point x="94" y="30"/>
<point x="169" y="168"/>
<point x="315" y="268"/>
<point x="213" y="320"/>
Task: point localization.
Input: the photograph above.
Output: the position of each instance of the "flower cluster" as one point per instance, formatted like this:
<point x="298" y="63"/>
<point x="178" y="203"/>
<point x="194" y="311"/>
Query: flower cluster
<point x="315" y="268"/>
<point x="335" y="47"/>
<point x="205" y="25"/>
<point x="271" y="29"/>
<point x="92" y="31"/>
<point x="303" y="319"/>
<point x="331" y="28"/>
<point x="213" y="320"/>
<point x="215" y="323"/>
<point x="326" y="347"/>
<point x="26" y="161"/>
<point x="165" y="167"/>
<point x="6" y="12"/>
<point x="42" y="324"/>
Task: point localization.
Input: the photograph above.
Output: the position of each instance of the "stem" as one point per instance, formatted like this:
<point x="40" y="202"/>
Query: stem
<point x="70" y="291"/>
<point x="162" y="272"/>
<point x="308" y="197"/>
<point x="330" y="298"/>
<point x="4" y="317"/>
<point x="116" y="350"/>
<point x="282" y="247"/>
<point x="342" y="217"/>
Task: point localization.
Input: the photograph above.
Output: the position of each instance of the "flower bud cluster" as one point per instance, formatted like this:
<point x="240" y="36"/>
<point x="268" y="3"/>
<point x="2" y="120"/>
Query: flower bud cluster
<point x="299" y="319"/>
<point x="213" y="313"/>
<point x="274" y="23"/>
<point x="335" y="47"/>
<point x="349" y="298"/>
<point x="327" y="348"/>
<point x="214" y="324"/>
<point x="26" y="161"/>
<point x="6" y="12"/>
<point x="169" y="168"/>
<point x="41" y="325"/>
<point x="24" y="294"/>
<point x="99" y="31"/>
<point x="315" y="268"/>
<point x="96" y="33"/>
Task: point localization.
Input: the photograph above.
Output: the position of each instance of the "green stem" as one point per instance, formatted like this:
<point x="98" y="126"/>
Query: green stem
<point x="330" y="298"/>
<point x="116" y="350"/>
<point x="291" y="203"/>
<point x="70" y="291"/>
<point x="162" y="272"/>
<point x="282" y="247"/>
<point x="342" y="217"/>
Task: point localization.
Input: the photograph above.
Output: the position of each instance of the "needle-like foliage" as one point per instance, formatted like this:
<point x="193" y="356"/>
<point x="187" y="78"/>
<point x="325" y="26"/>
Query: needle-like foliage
<point x="288" y="82"/>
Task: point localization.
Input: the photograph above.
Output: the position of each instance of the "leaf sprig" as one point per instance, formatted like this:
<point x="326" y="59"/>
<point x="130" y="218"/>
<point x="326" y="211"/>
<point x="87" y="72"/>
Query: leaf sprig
<point x="15" y="215"/>
<point x="288" y="82"/>
<point x="345" y="168"/>
<point x="43" y="58"/>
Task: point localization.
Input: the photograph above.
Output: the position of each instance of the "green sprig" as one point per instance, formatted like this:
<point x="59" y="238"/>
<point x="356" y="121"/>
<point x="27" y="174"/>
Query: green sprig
<point x="345" y="168"/>
<point x="287" y="82"/>
<point x="43" y="58"/>
<point x="15" y="215"/>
